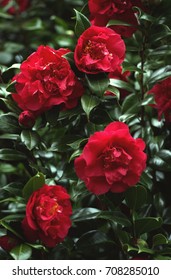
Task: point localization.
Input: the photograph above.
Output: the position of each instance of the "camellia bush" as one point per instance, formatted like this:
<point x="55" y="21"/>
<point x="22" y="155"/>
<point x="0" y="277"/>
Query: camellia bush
<point x="85" y="113"/>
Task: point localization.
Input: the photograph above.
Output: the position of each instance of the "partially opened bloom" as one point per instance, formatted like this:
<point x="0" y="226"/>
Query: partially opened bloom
<point x="48" y="214"/>
<point x="46" y="79"/>
<point x="99" y="49"/>
<point x="112" y="160"/>
<point x="8" y="242"/>
<point x="162" y="96"/>
<point x="102" y="11"/>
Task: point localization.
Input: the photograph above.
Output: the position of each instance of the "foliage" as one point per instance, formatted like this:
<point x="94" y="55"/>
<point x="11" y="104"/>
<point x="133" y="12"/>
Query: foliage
<point x="108" y="226"/>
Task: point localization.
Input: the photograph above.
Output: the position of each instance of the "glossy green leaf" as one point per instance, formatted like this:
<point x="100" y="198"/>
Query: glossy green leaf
<point x="162" y="160"/>
<point x="121" y="84"/>
<point x="89" y="102"/>
<point x="82" y="23"/>
<point x="159" y="239"/>
<point x="11" y="87"/>
<point x="115" y="216"/>
<point x="98" y="84"/>
<point x="33" y="184"/>
<point x="148" y="224"/>
<point x="30" y="138"/>
<point x="76" y="144"/>
<point x="11" y="155"/>
<point x="117" y="22"/>
<point x="136" y="197"/>
<point x="130" y="105"/>
<point x="7" y="226"/>
<point x="21" y="252"/>
<point x="33" y="24"/>
<point x="114" y="90"/>
<point x="9" y="123"/>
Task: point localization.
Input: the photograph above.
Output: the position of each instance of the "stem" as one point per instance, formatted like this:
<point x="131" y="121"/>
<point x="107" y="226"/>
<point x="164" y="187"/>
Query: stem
<point x="142" y="55"/>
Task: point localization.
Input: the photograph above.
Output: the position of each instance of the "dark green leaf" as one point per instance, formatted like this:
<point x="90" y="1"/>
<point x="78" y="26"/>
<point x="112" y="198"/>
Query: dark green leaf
<point x="84" y="214"/>
<point x="115" y="216"/>
<point x="75" y="154"/>
<point x="82" y="23"/>
<point x="33" y="184"/>
<point x="121" y="84"/>
<point x="90" y="239"/>
<point x="162" y="160"/>
<point x="89" y="102"/>
<point x="7" y="168"/>
<point x="33" y="24"/>
<point x="76" y="144"/>
<point x="30" y="138"/>
<point x="11" y="155"/>
<point x="117" y="22"/>
<point x="159" y="239"/>
<point x="130" y="104"/>
<point x="136" y="197"/>
<point x="148" y="224"/>
<point x="9" y="123"/>
<point x="21" y="252"/>
<point x="114" y="90"/>
<point x="11" y="87"/>
<point x="98" y="84"/>
<point x="9" y="228"/>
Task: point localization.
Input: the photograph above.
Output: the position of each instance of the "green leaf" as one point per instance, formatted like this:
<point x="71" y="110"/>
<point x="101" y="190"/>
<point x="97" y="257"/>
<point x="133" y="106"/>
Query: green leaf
<point x="114" y="90"/>
<point x="75" y="154"/>
<point x="90" y="239"/>
<point x="7" y="168"/>
<point x="21" y="252"/>
<point x="89" y="102"/>
<point x="159" y="74"/>
<point x="9" y="228"/>
<point x="162" y="160"/>
<point x="33" y="184"/>
<point x="33" y="24"/>
<point x="30" y="138"/>
<point x="11" y="87"/>
<point x="159" y="239"/>
<point x="136" y="197"/>
<point x="117" y="22"/>
<point x="98" y="84"/>
<point x="13" y="217"/>
<point x="82" y="23"/>
<point x="11" y="155"/>
<point x="76" y="144"/>
<point x="84" y="214"/>
<point x="130" y="104"/>
<point x="115" y="216"/>
<point x="9" y="123"/>
<point x="148" y="224"/>
<point x="121" y="84"/>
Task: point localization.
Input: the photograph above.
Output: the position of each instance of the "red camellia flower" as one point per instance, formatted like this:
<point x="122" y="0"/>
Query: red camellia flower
<point x="48" y="215"/>
<point x="112" y="160"/>
<point x="162" y="96"/>
<point x="18" y="6"/>
<point x="101" y="11"/>
<point x="27" y="119"/>
<point x="46" y="79"/>
<point x="99" y="49"/>
<point x="118" y="75"/>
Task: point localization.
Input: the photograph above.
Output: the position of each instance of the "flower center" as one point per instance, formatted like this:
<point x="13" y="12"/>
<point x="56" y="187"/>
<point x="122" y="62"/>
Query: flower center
<point x="96" y="50"/>
<point x="47" y="208"/>
<point x="114" y="157"/>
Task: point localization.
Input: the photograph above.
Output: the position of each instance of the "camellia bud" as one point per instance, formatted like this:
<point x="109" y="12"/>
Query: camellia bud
<point x="27" y="119"/>
<point x="8" y="242"/>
